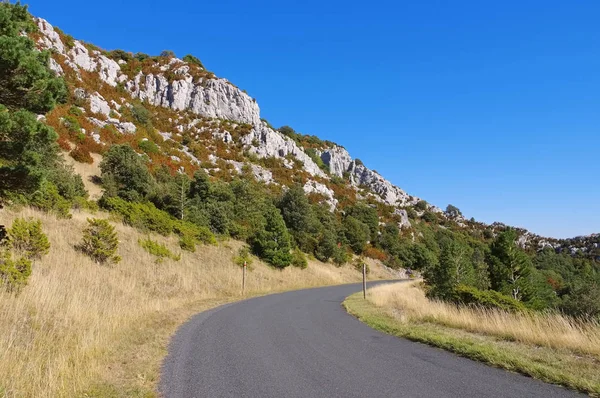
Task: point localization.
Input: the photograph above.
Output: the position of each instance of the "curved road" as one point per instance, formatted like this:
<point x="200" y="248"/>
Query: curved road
<point x="304" y="344"/>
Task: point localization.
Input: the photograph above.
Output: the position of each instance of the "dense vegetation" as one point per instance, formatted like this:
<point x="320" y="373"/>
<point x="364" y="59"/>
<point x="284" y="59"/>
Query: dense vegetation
<point x="463" y="262"/>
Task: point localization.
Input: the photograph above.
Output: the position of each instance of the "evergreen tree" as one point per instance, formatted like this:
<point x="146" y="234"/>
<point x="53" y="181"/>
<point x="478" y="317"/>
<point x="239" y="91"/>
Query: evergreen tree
<point x="124" y="174"/>
<point x="273" y="242"/>
<point x="509" y="266"/>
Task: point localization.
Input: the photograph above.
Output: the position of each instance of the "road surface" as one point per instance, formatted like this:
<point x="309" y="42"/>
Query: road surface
<point x="304" y="344"/>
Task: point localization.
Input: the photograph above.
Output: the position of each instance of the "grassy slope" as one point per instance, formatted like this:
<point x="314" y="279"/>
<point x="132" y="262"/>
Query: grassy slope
<point x="83" y="329"/>
<point x="576" y="368"/>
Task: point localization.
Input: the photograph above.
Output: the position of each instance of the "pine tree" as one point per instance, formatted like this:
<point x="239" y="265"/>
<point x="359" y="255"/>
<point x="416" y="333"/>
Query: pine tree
<point x="100" y="241"/>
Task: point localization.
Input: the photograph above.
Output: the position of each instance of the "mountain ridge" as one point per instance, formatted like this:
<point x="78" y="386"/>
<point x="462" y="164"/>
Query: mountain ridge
<point x="174" y="84"/>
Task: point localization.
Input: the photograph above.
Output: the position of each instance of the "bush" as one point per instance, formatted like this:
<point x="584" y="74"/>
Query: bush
<point x="429" y="217"/>
<point x="13" y="273"/>
<point x="28" y="239"/>
<point x="198" y="233"/>
<point x="299" y="259"/>
<point x="471" y="296"/>
<point x="48" y="199"/>
<point x="190" y="59"/>
<point x="340" y="256"/>
<point x="375" y="253"/>
<point x="187" y="243"/>
<point x="80" y="203"/>
<point x="81" y="155"/>
<point x="158" y="249"/>
<point x="144" y="216"/>
<point x="421" y="205"/>
<point x="100" y="241"/>
<point x="148" y="146"/>
<point x="141" y="114"/>
<point x="243" y="256"/>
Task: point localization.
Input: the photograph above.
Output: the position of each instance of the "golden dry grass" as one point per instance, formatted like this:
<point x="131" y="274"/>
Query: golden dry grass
<point x="77" y="324"/>
<point x="88" y="172"/>
<point x="407" y="302"/>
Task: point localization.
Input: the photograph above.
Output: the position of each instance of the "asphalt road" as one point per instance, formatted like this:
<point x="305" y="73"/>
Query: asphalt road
<point x="304" y="344"/>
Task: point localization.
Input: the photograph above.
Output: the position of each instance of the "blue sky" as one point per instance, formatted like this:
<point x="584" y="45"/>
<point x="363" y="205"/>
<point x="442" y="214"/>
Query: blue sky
<point x="491" y="106"/>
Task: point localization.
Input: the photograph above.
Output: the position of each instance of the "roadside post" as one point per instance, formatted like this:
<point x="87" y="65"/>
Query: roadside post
<point x="364" y="281"/>
<point x="244" y="279"/>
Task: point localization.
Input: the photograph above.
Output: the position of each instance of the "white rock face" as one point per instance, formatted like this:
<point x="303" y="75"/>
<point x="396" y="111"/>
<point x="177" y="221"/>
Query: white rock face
<point x="54" y="66"/>
<point x="338" y="160"/>
<point x="210" y="97"/>
<point x="272" y="143"/>
<point x="50" y="39"/>
<point x="389" y="193"/>
<point x="317" y="187"/>
<point x="404" y="220"/>
<point x="99" y="105"/>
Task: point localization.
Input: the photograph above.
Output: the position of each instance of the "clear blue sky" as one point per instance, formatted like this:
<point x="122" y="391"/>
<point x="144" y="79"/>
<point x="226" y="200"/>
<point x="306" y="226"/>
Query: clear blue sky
<point x="491" y="106"/>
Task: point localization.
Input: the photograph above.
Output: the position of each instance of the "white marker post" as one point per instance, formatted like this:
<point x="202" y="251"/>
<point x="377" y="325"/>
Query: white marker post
<point x="244" y="279"/>
<point x="364" y="281"/>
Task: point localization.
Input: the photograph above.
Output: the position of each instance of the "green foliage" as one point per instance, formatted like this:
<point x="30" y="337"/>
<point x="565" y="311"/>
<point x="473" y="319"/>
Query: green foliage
<point x="187" y="243"/>
<point x="198" y="233"/>
<point x="26" y="81"/>
<point x="158" y="249"/>
<point x="340" y="256"/>
<point x="468" y="295"/>
<point x="144" y="216"/>
<point x="453" y="268"/>
<point x="148" y="146"/>
<point x="299" y="259"/>
<point x="27" y="238"/>
<point x="48" y="199"/>
<point x="453" y="211"/>
<point x="367" y="215"/>
<point x="357" y="233"/>
<point x="28" y="151"/>
<point x="421" y="205"/>
<point x="299" y="218"/>
<point x="100" y="241"/>
<point x="124" y="174"/>
<point x="141" y="114"/>
<point x="243" y="257"/>
<point x="190" y="59"/>
<point x="120" y="55"/>
<point x="13" y="272"/>
<point x="429" y="216"/>
<point x="167" y="54"/>
<point x="509" y="265"/>
<point x="273" y="242"/>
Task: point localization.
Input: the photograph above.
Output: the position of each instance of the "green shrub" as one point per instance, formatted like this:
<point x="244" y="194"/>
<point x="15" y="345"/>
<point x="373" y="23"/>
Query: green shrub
<point x="141" y="114"/>
<point x="187" y="243"/>
<point x="243" y="256"/>
<point x="148" y="146"/>
<point x="144" y="216"/>
<point x="421" y="205"/>
<point x="28" y="239"/>
<point x="340" y="256"/>
<point x="190" y="59"/>
<point x="100" y="241"/>
<point x="468" y="295"/>
<point x="48" y="199"/>
<point x="76" y="111"/>
<point x="198" y="233"/>
<point x="13" y="273"/>
<point x="299" y="259"/>
<point x="80" y="203"/>
<point x="158" y="249"/>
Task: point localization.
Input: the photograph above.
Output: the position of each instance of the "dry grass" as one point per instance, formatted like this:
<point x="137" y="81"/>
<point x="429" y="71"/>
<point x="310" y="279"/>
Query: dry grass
<point x="88" y="172"/>
<point x="545" y="330"/>
<point x="83" y="329"/>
